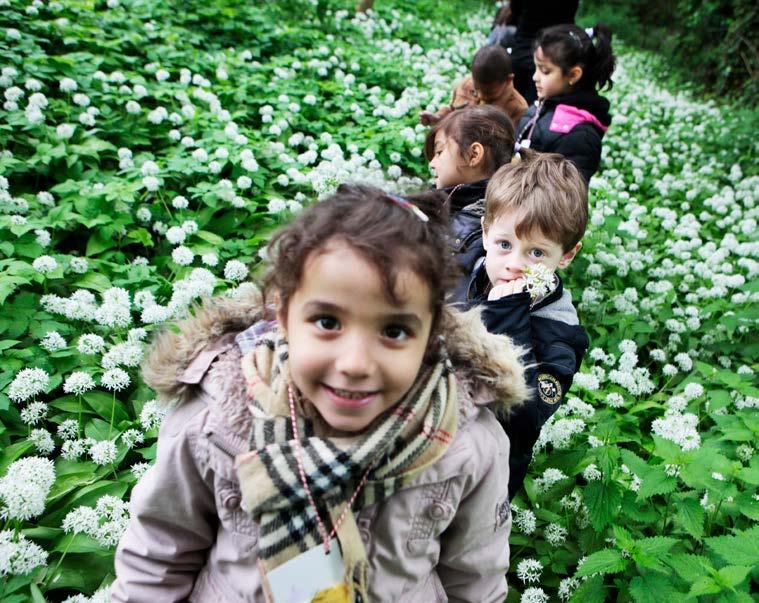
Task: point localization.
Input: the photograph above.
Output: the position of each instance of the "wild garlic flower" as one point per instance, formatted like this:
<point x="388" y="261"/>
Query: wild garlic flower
<point x="539" y="281"/>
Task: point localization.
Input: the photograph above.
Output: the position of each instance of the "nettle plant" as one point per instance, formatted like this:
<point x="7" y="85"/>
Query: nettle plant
<point x="146" y="154"/>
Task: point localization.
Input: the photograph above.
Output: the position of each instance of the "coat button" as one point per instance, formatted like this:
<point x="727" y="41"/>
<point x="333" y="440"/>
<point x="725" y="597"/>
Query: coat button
<point x="438" y="511"/>
<point x="231" y="502"/>
<point x="458" y="241"/>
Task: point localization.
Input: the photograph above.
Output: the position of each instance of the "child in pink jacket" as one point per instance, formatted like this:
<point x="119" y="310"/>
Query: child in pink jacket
<point x="330" y="442"/>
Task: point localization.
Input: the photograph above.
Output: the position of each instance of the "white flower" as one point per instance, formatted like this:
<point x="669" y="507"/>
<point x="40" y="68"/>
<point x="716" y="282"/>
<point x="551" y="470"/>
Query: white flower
<point x="162" y="75"/>
<point x="65" y="131"/>
<point x="614" y="400"/>
<point x="122" y="354"/>
<point x="294" y="206"/>
<point x="693" y="391"/>
<point x="132" y="437"/>
<point x="678" y="428"/>
<point x="567" y="587"/>
<point x="151" y="183"/>
<point x="78" y="383"/>
<point x="52" y="342"/>
<point x="67" y="85"/>
<point x="190" y="227"/>
<point x="115" y="379"/>
<point x="139" y="469"/>
<point x="182" y="255"/>
<point x="90" y="344"/>
<point x="133" y="107"/>
<point x="81" y="520"/>
<point x="209" y="259"/>
<point x="244" y="182"/>
<point x="103" y="452"/>
<point x="45" y="264"/>
<point x="234" y="270"/>
<point x="525" y="521"/>
<point x="175" y="235"/>
<point x="550" y="477"/>
<point x="149" y="168"/>
<point x="25" y="486"/>
<point x="19" y="556"/>
<point x="555" y="534"/>
<point x="529" y="570"/>
<point x="276" y="206"/>
<point x="592" y="473"/>
<point x="42" y="440"/>
<point x="28" y="383"/>
<point x="45" y="198"/>
<point x="78" y="265"/>
<point x="180" y="202"/>
<point x="152" y="414"/>
<point x="34" y="413"/>
<point x="68" y="429"/>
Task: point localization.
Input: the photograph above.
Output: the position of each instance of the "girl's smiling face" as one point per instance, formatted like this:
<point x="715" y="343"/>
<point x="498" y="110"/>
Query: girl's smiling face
<point x="353" y="354"/>
<point x="549" y="78"/>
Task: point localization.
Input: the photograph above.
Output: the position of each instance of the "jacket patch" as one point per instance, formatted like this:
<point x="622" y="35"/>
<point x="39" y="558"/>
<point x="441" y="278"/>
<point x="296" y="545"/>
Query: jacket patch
<point x="502" y="513"/>
<point x="549" y="388"/>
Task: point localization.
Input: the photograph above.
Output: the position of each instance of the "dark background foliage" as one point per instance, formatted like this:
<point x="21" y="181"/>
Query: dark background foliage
<point x="712" y="43"/>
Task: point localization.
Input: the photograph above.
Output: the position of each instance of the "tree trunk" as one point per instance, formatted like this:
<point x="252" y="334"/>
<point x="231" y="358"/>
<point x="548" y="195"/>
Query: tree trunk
<point x="364" y="5"/>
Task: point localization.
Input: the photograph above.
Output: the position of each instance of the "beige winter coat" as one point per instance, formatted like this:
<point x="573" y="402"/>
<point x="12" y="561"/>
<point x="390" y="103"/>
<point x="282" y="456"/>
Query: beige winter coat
<point x="442" y="538"/>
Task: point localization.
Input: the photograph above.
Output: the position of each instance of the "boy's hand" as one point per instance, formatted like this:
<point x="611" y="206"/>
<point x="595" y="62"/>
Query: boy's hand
<point x="504" y="289"/>
<point x="428" y="118"/>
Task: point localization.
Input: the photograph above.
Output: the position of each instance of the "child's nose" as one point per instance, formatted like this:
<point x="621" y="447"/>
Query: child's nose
<point x="354" y="359"/>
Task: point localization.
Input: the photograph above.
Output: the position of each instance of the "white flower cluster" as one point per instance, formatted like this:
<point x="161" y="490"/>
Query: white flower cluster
<point x="25" y="486"/>
<point x="19" y="556"/>
<point x="105" y="523"/>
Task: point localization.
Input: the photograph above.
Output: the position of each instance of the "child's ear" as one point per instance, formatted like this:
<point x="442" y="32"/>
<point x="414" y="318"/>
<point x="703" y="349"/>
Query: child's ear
<point x="567" y="258"/>
<point x="510" y="79"/>
<point x="575" y="74"/>
<point x="484" y="233"/>
<point x="476" y="154"/>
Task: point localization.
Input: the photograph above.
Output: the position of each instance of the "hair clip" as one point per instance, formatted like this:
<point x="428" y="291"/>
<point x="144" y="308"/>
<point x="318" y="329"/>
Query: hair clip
<point x="590" y="31"/>
<point x="406" y="204"/>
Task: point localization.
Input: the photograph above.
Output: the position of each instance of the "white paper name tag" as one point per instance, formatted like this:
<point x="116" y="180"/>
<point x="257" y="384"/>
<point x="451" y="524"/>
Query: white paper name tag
<point x="301" y="578"/>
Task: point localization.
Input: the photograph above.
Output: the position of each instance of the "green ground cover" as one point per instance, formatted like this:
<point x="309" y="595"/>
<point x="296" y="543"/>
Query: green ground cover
<point x="147" y="150"/>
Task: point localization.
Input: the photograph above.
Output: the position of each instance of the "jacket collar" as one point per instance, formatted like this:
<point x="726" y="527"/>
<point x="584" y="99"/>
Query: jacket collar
<point x="590" y="101"/>
<point x="461" y="195"/>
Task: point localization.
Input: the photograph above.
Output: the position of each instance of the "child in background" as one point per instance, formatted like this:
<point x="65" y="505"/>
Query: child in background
<point x="464" y="150"/>
<point x="503" y="29"/>
<point x="570" y="117"/>
<point x="491" y="83"/>
<point x="536" y="212"/>
<point x="339" y="431"/>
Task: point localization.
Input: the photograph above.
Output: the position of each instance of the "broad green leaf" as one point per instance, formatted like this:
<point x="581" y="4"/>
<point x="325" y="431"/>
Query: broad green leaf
<point x="656" y="481"/>
<point x="591" y="590"/>
<point x="733" y="575"/>
<point x="652" y="587"/>
<point x="704" y="586"/>
<point x="37" y="596"/>
<point x="690" y="516"/>
<point x="106" y="406"/>
<point x="13" y="453"/>
<point x="607" y="561"/>
<point x="95" y="281"/>
<point x="740" y="549"/>
<point x="689" y="567"/>
<point x="602" y="500"/>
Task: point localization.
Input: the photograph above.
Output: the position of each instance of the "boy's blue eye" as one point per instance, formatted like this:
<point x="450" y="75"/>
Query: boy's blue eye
<point x="396" y="332"/>
<point x="326" y="323"/>
<point x="537" y="253"/>
<point x="504" y="245"/>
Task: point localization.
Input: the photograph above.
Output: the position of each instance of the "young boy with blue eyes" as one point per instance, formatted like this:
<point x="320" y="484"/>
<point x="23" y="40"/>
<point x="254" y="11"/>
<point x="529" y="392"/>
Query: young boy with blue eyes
<point x="535" y="212"/>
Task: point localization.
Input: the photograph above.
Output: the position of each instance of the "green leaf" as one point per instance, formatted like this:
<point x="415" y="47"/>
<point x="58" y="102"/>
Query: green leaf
<point x="656" y="546"/>
<point x="742" y="548"/>
<point x="651" y="587"/>
<point x="690" y="517"/>
<point x="704" y="586"/>
<point x="142" y="236"/>
<point x="590" y="591"/>
<point x="13" y="453"/>
<point x="602" y="500"/>
<point x="37" y="596"/>
<point x="750" y="475"/>
<point x="733" y="575"/>
<point x="78" y="543"/>
<point x="606" y="561"/>
<point x="656" y="481"/>
<point x="690" y="567"/>
<point x="105" y="405"/>
<point x="95" y="281"/>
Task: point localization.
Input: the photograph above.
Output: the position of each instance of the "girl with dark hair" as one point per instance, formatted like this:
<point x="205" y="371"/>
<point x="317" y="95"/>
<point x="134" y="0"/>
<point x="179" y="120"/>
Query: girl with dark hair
<point x="464" y="151"/>
<point x="330" y="445"/>
<point x="570" y="117"/>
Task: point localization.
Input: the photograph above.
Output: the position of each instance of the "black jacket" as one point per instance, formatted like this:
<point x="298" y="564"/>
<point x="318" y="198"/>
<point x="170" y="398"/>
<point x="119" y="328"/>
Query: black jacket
<point x="467" y="207"/>
<point x="554" y="344"/>
<point x="582" y="144"/>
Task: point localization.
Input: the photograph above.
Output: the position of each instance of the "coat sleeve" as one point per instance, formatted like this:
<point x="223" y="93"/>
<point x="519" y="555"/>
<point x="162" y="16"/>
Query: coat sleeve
<point x="474" y="549"/>
<point x="173" y="518"/>
<point x="582" y="146"/>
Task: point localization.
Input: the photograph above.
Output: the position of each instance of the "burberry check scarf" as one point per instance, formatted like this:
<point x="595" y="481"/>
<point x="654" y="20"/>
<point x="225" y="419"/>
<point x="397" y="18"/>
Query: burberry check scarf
<point x="398" y="446"/>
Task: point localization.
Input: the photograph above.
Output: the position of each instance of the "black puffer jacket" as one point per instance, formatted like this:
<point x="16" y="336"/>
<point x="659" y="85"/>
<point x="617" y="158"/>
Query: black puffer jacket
<point x="581" y="144"/>
<point x="467" y="207"/>
<point x="554" y="344"/>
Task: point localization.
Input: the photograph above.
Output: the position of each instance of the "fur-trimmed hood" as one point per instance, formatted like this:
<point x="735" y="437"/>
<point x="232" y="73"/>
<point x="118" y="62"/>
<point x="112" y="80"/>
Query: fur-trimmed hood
<point x="488" y="363"/>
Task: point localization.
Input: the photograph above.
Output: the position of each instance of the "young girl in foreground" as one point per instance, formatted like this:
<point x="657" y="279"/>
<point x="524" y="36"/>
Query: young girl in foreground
<point x="570" y="117"/>
<point x="337" y="420"/>
<point x="464" y="150"/>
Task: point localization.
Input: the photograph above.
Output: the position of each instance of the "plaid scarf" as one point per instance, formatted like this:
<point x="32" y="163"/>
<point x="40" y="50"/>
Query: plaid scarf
<point x="397" y="447"/>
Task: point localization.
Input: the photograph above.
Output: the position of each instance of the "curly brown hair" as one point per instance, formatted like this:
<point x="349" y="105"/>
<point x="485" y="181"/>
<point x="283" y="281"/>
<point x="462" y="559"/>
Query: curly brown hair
<point x="384" y="232"/>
